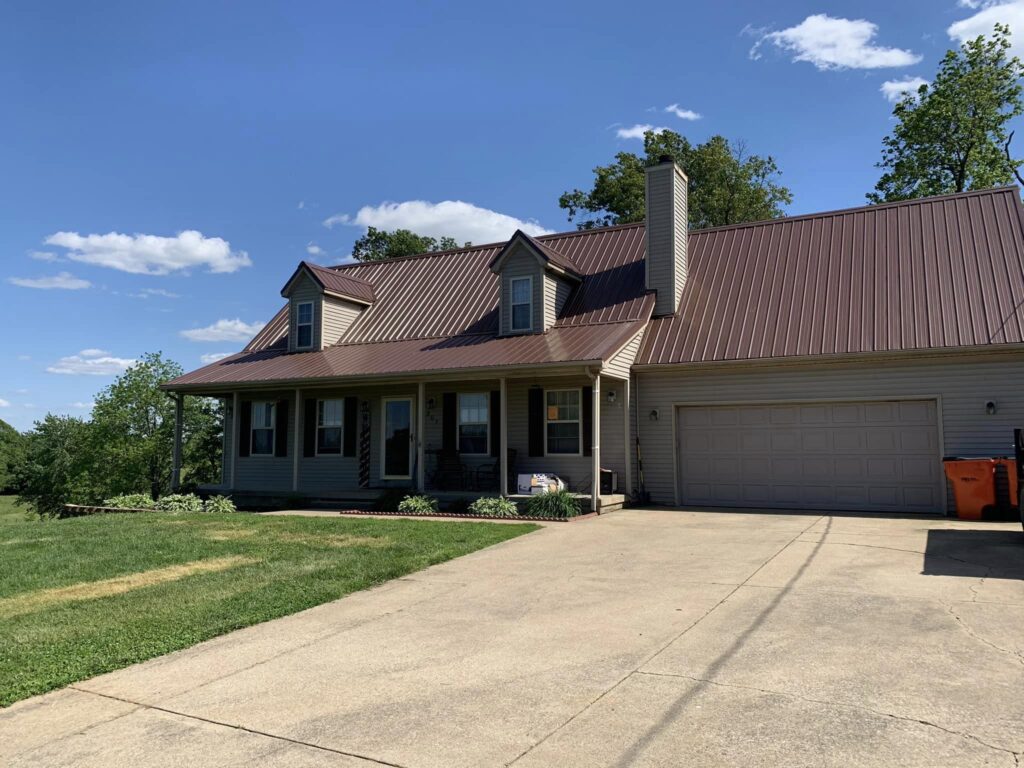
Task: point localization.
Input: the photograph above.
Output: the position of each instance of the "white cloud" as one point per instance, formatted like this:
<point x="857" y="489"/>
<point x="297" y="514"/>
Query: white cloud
<point x="93" y="362"/>
<point x="463" y="221"/>
<point x="314" y="250"/>
<point x="4" y="403"/>
<point x="152" y="254"/>
<point x="44" y="256"/>
<point x="832" y="43"/>
<point x="62" y="281"/>
<point x="637" y="131"/>
<point x="987" y="16"/>
<point x="213" y="357"/>
<point x="224" y="330"/>
<point x="146" y="293"/>
<point x="302" y="204"/>
<point x="683" y="114"/>
<point x="24" y="357"/>
<point x="82" y="406"/>
<point x="894" y="90"/>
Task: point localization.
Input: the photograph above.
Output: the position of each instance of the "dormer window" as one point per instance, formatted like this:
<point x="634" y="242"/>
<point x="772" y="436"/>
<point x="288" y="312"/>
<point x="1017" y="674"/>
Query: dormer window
<point x="521" y="290"/>
<point x="304" y="325"/>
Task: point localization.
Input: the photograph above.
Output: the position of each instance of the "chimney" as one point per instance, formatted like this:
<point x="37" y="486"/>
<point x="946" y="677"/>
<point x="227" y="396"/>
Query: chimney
<point x="666" y="234"/>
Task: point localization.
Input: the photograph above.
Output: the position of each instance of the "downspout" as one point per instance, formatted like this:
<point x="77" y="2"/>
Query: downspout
<point x="642" y="496"/>
<point x="595" y="441"/>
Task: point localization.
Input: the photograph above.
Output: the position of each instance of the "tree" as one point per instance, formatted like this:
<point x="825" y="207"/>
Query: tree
<point x="727" y="185"/>
<point x="952" y="135"/>
<point x="12" y="456"/>
<point x="58" y="466"/>
<point x="379" y="244"/>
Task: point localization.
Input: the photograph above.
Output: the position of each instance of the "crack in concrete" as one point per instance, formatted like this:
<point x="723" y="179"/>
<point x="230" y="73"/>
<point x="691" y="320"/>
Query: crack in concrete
<point x="238" y="727"/>
<point x="962" y="623"/>
<point x="826" y="702"/>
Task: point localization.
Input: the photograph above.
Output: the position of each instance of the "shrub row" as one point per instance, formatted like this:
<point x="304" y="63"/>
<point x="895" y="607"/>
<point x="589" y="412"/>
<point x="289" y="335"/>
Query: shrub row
<point x="556" y="504"/>
<point x="177" y="503"/>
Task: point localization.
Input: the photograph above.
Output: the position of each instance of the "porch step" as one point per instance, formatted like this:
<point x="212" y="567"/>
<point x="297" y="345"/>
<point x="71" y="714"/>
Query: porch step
<point x="340" y="503"/>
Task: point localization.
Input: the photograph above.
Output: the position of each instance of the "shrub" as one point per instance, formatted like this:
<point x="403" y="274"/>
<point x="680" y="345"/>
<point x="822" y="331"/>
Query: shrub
<point x="130" y="501"/>
<point x="389" y="500"/>
<point x="418" y="505"/>
<point x="180" y="503"/>
<point x="219" y="505"/>
<point x="494" y="507"/>
<point x="553" y="504"/>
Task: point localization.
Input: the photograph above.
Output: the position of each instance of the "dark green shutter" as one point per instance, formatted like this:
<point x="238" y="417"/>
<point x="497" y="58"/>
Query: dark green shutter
<point x="449" y="422"/>
<point x="281" y="429"/>
<point x="244" y="417"/>
<point x="587" y="419"/>
<point x="309" y="427"/>
<point x="535" y="418"/>
<point x="351" y="418"/>
<point x="495" y="422"/>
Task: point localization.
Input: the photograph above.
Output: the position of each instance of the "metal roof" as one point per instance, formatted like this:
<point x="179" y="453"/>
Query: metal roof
<point x="561" y="263"/>
<point x="335" y="282"/>
<point x="920" y="274"/>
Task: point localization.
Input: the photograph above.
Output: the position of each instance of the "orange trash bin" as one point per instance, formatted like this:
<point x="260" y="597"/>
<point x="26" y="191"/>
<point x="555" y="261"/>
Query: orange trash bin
<point x="1011" y="476"/>
<point x="974" y="485"/>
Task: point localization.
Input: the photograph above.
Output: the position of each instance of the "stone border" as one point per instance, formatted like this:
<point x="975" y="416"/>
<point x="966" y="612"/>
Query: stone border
<point x="465" y="516"/>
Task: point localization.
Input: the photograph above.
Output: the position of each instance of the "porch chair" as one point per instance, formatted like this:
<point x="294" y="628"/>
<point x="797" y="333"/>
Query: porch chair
<point x="449" y="474"/>
<point x="487" y="474"/>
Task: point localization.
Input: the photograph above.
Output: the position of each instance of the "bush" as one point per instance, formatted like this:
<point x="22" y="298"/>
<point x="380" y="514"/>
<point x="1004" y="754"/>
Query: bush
<point x="553" y="504"/>
<point x="180" y="503"/>
<point x="494" y="507"/>
<point x="219" y="505"/>
<point x="131" y="501"/>
<point x="418" y="505"/>
<point x="389" y="500"/>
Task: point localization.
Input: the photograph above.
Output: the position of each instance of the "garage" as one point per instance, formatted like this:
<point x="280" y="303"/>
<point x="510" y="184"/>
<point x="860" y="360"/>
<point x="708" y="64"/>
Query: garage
<point x="879" y="455"/>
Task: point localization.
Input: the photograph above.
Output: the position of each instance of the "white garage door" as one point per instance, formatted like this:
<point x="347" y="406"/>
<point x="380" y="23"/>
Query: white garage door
<point x="874" y="456"/>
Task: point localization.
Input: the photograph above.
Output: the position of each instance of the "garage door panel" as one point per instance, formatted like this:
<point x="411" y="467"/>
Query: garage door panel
<point x="879" y="456"/>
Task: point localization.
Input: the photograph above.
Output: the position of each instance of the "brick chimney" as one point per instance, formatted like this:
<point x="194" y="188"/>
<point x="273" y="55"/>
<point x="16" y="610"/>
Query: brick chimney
<point x="666" y="234"/>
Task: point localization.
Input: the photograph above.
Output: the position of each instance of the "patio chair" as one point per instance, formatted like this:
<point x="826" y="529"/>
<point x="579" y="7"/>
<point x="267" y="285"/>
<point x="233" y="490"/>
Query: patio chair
<point x="450" y="473"/>
<point x="487" y="474"/>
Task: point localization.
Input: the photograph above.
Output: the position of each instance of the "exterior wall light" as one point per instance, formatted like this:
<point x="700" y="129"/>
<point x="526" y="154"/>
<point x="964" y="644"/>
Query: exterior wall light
<point x="990" y="407"/>
<point x="654" y="415"/>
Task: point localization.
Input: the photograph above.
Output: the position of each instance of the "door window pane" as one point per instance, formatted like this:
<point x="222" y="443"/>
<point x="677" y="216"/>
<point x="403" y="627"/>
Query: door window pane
<point x="397" y="433"/>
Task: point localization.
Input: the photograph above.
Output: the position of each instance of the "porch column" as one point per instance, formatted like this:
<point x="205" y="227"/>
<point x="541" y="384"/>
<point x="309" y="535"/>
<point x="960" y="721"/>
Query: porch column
<point x="628" y="452"/>
<point x="179" y="415"/>
<point x="421" y="420"/>
<point x="503" y="439"/>
<point x="595" y="493"/>
<point x="235" y="418"/>
<point x="297" y="440"/>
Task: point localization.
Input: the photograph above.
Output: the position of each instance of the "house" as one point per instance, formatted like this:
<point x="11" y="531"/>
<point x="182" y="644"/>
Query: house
<point x="826" y="361"/>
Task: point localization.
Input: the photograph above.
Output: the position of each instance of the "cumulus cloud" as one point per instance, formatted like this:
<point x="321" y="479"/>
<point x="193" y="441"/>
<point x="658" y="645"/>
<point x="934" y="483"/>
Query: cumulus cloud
<point x="92" y="362"/>
<point x="637" y="131"/>
<point x="44" y="256"/>
<point x="82" y="405"/>
<point x="828" y="42"/>
<point x="988" y="15"/>
<point x="4" y="403"/>
<point x="61" y="281"/>
<point x="224" y="330"/>
<point x="682" y="114"/>
<point x="314" y="250"/>
<point x="152" y="254"/>
<point x="146" y="293"/>
<point x="463" y="221"/>
<point x="213" y="357"/>
<point x="894" y="90"/>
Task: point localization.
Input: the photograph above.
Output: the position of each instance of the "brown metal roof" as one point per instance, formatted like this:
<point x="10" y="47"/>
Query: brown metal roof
<point x="336" y="282"/>
<point x="580" y="344"/>
<point x="561" y="262"/>
<point x="931" y="273"/>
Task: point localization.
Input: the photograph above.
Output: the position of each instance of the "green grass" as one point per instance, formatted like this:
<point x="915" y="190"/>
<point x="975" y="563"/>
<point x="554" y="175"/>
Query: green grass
<point x="301" y="562"/>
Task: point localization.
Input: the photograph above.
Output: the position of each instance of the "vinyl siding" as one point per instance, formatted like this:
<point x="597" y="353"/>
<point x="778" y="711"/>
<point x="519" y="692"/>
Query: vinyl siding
<point x="265" y="473"/>
<point x="305" y="290"/>
<point x="338" y="315"/>
<point x="329" y="473"/>
<point x="619" y="366"/>
<point x="667" y="228"/>
<point x="962" y="386"/>
<point x="522" y="263"/>
<point x="556" y="293"/>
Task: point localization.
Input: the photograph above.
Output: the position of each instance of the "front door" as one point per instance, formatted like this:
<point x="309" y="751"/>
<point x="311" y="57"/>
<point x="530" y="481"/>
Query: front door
<point x="397" y="438"/>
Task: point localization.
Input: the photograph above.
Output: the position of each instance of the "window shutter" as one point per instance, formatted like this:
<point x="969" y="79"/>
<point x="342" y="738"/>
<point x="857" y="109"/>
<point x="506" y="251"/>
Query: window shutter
<point x="351" y="420"/>
<point x="281" y="429"/>
<point x="587" y="420"/>
<point x="449" y="422"/>
<point x="495" y="417"/>
<point x="535" y="417"/>
<point x="309" y="428"/>
<point x="244" y="427"/>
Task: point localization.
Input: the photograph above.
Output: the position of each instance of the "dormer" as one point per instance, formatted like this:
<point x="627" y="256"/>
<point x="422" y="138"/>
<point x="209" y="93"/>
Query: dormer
<point x="535" y="284"/>
<point x="322" y="305"/>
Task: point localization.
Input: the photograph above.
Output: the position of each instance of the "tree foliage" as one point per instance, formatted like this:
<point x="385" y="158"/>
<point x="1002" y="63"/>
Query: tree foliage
<point x="952" y="135"/>
<point x="126" y="446"/>
<point x="379" y="244"/>
<point x="727" y="185"/>
<point x="12" y="456"/>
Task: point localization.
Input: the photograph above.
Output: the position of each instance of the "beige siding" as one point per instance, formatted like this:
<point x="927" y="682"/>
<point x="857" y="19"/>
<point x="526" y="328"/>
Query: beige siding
<point x="264" y="473"/>
<point x="619" y="366"/>
<point x="338" y="315"/>
<point x="962" y="388"/>
<point x="556" y="293"/>
<point x="522" y="263"/>
<point x="666" y="231"/>
<point x="305" y="290"/>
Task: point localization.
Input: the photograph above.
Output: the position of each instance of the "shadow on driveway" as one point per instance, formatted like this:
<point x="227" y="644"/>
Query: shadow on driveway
<point x="974" y="553"/>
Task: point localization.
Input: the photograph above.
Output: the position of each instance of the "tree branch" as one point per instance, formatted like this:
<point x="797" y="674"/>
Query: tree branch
<point x="1013" y="166"/>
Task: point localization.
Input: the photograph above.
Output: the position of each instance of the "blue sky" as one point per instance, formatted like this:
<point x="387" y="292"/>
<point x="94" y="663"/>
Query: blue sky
<point x="163" y="167"/>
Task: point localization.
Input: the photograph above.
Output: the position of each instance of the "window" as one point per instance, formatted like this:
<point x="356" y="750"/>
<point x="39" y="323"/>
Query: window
<point x="304" y="325"/>
<point x="328" y="426"/>
<point x="263" y="414"/>
<point x="473" y="431"/>
<point x="521" y="290"/>
<point x="562" y="416"/>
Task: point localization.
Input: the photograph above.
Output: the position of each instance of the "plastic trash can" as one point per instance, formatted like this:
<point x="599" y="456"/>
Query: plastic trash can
<point x="974" y="485"/>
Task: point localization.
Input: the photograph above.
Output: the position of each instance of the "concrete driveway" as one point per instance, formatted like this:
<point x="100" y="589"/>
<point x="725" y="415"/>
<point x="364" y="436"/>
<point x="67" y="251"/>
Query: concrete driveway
<point x="641" y="638"/>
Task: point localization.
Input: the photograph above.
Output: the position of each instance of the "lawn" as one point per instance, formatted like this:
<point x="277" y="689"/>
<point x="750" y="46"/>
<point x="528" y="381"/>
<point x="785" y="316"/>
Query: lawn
<point x="88" y="595"/>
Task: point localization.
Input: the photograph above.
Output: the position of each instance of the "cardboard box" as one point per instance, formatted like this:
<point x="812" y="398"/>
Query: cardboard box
<point x="539" y="482"/>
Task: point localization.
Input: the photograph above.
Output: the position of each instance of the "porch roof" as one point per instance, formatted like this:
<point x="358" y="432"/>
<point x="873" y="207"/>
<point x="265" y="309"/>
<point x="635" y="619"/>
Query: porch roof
<point x="584" y="344"/>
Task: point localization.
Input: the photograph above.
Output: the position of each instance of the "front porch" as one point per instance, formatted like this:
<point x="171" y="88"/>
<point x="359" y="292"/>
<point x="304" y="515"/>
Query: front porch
<point x="454" y="439"/>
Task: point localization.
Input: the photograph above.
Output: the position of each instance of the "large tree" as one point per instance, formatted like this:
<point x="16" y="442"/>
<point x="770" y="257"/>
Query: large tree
<point x="953" y="135"/>
<point x="727" y="185"/>
<point x="12" y="456"/>
<point x="379" y="244"/>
